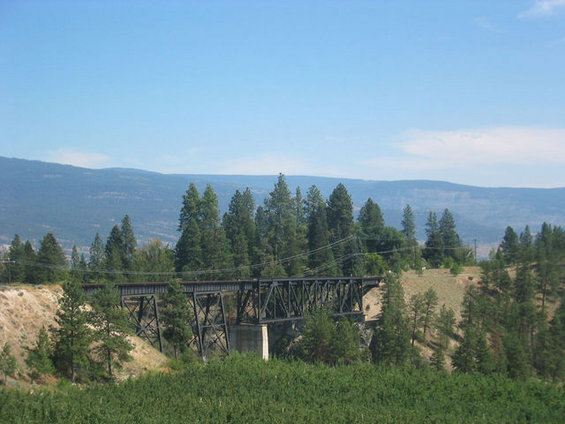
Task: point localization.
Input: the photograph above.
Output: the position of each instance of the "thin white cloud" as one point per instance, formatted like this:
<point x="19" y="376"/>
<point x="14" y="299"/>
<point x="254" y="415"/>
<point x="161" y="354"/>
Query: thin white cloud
<point x="508" y="145"/>
<point x="542" y="8"/>
<point x="76" y="158"/>
<point x="486" y="156"/>
<point x="485" y="24"/>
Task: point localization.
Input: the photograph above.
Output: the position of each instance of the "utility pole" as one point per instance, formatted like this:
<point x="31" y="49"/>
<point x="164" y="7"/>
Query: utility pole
<point x="475" y="241"/>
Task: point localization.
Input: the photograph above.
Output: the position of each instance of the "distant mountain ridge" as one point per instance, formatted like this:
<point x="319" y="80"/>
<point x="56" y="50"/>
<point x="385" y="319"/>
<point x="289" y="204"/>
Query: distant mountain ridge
<point x="75" y="203"/>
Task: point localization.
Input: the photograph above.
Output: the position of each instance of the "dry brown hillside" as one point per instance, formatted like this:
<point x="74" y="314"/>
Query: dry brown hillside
<point x="449" y="288"/>
<point x="25" y="309"/>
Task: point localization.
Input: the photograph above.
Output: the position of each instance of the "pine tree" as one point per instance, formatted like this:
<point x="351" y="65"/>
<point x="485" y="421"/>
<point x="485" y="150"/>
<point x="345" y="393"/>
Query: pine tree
<point x="450" y="241"/>
<point x="17" y="258"/>
<point x="444" y="324"/>
<point x="190" y="210"/>
<point x="524" y="313"/>
<point x="346" y="342"/>
<point x="510" y="246"/>
<point x="542" y="349"/>
<point x="262" y="253"/>
<point x="321" y="259"/>
<point x="433" y="252"/>
<point x="71" y="335"/>
<point x="437" y="361"/>
<point x="428" y="310"/>
<point x="96" y="258"/>
<point x="301" y="224"/>
<point x="213" y="239"/>
<point x="556" y="362"/>
<point x="77" y="272"/>
<point x="494" y="276"/>
<point x="129" y="243"/>
<point x="39" y="356"/>
<point x="526" y="246"/>
<point x="318" y="331"/>
<point x="8" y="364"/>
<point x="176" y="318"/>
<point x="463" y="359"/>
<point x="239" y="227"/>
<point x="408" y="225"/>
<point x="188" y="251"/>
<point x="114" y="254"/>
<point x="110" y="328"/>
<point x="341" y="227"/>
<point x="371" y="225"/>
<point x="391" y="341"/>
<point x="31" y="276"/>
<point x="51" y="259"/>
<point x="483" y="354"/>
<point x="409" y="233"/>
<point x="548" y="268"/>
<point x="415" y="312"/>
<point x="516" y="356"/>
<point x="281" y="230"/>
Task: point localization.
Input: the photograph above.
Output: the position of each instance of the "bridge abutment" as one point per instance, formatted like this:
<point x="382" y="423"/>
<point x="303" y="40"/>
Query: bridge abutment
<point x="250" y="338"/>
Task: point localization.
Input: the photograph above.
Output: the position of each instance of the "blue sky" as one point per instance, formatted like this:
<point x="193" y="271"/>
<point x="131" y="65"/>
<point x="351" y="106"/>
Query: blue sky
<point x="470" y="92"/>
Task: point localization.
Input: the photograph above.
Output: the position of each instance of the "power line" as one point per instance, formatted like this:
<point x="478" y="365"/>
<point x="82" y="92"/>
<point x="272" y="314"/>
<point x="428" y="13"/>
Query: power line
<point x="309" y="253"/>
<point x="194" y="272"/>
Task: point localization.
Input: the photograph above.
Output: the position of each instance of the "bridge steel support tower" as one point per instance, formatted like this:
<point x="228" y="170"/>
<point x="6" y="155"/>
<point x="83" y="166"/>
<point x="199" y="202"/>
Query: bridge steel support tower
<point x="143" y="314"/>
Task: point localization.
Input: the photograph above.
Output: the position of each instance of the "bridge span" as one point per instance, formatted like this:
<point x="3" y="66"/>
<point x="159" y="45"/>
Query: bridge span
<point x="257" y="302"/>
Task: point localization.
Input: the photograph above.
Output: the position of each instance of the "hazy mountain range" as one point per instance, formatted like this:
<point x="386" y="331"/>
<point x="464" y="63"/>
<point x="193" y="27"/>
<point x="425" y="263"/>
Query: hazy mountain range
<point x="75" y="203"/>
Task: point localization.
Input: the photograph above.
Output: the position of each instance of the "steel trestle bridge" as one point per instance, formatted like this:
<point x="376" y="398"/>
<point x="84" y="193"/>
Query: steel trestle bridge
<point x="258" y="301"/>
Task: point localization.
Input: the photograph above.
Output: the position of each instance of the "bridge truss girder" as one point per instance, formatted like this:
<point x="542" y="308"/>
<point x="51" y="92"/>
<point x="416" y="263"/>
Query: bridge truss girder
<point x="257" y="302"/>
<point x="285" y="300"/>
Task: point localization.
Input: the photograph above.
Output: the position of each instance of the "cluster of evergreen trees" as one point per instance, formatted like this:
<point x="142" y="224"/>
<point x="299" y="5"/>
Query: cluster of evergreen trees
<point x="512" y="322"/>
<point x="293" y="235"/>
<point x="118" y="259"/>
<point x="508" y="324"/>
<point x="23" y="264"/>
<point x="289" y="235"/>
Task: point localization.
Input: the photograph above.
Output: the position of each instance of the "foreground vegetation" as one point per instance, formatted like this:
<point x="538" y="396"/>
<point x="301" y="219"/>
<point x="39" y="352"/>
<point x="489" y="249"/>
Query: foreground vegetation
<point x="247" y="389"/>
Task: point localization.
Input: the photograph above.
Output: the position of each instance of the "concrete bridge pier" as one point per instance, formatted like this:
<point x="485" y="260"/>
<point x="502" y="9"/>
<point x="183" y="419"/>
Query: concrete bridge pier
<point x="250" y="338"/>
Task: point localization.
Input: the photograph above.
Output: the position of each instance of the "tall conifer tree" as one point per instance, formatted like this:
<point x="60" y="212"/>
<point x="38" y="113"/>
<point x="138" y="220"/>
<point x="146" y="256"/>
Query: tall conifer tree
<point x="341" y="227"/>
<point x="212" y="236"/>
<point x="51" y="260"/>
<point x="71" y="335"/>
<point x="188" y="251"/>
<point x="129" y="243"/>
<point x="240" y="230"/>
<point x="176" y="318"/>
<point x="391" y="341"/>
<point x="281" y="233"/>
<point x="110" y="328"/>
<point x="318" y="235"/>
